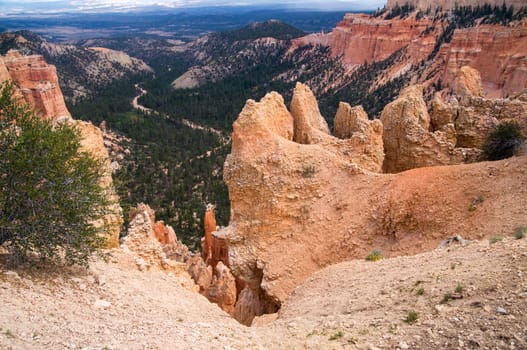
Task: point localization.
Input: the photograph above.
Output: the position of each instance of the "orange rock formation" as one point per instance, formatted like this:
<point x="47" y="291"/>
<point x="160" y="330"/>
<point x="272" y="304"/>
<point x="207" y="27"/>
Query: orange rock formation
<point x="499" y="53"/>
<point x="37" y="82"/>
<point x="299" y="207"/>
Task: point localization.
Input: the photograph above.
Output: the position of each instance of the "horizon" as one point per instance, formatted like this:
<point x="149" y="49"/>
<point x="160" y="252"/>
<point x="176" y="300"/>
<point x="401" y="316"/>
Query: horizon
<point x="13" y="8"/>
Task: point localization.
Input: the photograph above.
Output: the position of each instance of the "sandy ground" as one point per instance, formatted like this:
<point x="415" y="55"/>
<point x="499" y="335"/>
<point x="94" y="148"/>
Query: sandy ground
<point x="352" y="305"/>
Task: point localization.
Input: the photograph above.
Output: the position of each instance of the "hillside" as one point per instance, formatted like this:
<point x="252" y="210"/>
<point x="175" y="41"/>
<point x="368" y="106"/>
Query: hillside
<point x="346" y="306"/>
<point x="82" y="71"/>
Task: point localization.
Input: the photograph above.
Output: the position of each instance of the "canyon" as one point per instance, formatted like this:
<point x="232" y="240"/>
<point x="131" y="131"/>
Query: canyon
<point x="308" y="204"/>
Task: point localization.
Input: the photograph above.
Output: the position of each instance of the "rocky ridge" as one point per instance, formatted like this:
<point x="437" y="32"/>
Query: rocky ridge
<point x="289" y="179"/>
<point x="82" y="70"/>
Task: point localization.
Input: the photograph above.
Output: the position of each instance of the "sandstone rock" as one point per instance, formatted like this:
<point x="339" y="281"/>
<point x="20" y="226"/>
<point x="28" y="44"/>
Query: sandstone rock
<point x="222" y="290"/>
<point x="364" y="147"/>
<point x="293" y="203"/>
<point x="142" y="243"/>
<point x="37" y="82"/>
<point x="210" y="226"/>
<point x="408" y="143"/>
<point x="92" y="142"/>
<point x="468" y="83"/>
<point x="200" y="272"/>
<point x="498" y="53"/>
<point x="349" y="120"/>
<point x="248" y="306"/>
<point x="361" y="38"/>
<point x="475" y="116"/>
<point x="165" y="234"/>
<point x="310" y="125"/>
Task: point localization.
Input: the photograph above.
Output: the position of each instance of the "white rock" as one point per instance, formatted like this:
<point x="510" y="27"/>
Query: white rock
<point x="102" y="304"/>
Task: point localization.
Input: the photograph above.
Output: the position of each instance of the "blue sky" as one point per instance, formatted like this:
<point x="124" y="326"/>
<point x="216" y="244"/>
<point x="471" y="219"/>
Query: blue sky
<point x="56" y="6"/>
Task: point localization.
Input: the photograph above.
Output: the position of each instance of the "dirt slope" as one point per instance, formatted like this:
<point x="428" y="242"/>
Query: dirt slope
<point x="352" y="305"/>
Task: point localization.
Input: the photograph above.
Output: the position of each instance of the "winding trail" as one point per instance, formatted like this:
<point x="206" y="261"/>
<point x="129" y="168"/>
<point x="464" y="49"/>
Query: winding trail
<point x="222" y="137"/>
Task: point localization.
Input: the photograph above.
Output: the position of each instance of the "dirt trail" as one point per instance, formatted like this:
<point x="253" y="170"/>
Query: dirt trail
<point x="352" y="305"/>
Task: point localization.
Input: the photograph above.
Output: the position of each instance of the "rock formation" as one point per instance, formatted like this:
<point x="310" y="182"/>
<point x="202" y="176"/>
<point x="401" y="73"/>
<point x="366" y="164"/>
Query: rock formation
<point x="361" y="38"/>
<point x="148" y="252"/>
<point x="361" y="142"/>
<point x="37" y="83"/>
<point x="298" y="207"/>
<point x="409" y="144"/>
<point x="499" y="53"/>
<point x="473" y="115"/>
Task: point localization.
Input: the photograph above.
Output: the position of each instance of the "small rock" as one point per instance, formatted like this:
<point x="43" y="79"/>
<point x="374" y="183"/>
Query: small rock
<point x="12" y="275"/>
<point x="403" y="345"/>
<point x="102" y="304"/>
<point x="501" y="310"/>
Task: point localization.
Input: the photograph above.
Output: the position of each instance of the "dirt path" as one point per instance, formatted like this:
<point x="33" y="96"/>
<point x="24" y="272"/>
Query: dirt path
<point x="222" y="137"/>
<point x="135" y="101"/>
<point x="352" y="305"/>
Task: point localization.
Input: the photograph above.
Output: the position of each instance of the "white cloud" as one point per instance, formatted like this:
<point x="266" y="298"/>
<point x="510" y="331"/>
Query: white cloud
<point x="48" y="6"/>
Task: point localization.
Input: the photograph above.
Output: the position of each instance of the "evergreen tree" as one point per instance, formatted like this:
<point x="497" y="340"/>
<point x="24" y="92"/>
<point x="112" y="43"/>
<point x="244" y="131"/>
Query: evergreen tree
<point x="50" y="195"/>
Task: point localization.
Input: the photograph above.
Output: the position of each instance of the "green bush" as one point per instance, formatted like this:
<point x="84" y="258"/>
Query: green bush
<point x="503" y="142"/>
<point x="50" y="195"/>
<point x="519" y="233"/>
<point x="411" y="317"/>
<point x="375" y="255"/>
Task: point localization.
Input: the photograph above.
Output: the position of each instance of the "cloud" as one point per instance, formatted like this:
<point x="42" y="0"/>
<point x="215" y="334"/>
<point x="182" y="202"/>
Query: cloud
<point x="53" y="6"/>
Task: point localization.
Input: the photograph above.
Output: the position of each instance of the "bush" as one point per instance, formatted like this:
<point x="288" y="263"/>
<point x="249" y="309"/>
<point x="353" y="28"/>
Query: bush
<point x="375" y="255"/>
<point x="519" y="233"/>
<point x="411" y="317"/>
<point x="50" y="189"/>
<point x="503" y="142"/>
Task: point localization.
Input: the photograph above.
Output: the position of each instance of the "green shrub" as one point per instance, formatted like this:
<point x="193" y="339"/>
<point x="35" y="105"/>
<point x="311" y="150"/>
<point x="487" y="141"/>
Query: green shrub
<point x="420" y="291"/>
<point x="459" y="288"/>
<point x="411" y="317"/>
<point x="503" y="142"/>
<point x="519" y="233"/>
<point x="50" y="189"/>
<point x="375" y="255"/>
<point x="337" y="335"/>
<point x="446" y="298"/>
<point x="495" y="239"/>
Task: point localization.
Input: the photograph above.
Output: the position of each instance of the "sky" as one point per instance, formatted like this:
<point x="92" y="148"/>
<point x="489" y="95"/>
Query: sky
<point x="8" y="7"/>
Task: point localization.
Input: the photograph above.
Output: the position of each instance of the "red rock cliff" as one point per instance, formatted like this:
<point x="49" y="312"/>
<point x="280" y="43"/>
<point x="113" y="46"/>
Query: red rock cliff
<point x="361" y="38"/>
<point x="499" y="53"/>
<point x="451" y="4"/>
<point x="37" y="82"/>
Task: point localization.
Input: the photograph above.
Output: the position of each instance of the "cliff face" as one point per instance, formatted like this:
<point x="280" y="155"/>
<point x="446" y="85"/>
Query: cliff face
<point x="451" y="4"/>
<point x="37" y="83"/>
<point x="361" y="38"/>
<point x="499" y="53"/>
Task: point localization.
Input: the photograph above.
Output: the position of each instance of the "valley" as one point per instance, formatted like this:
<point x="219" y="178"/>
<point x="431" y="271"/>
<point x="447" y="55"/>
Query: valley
<point x="282" y="184"/>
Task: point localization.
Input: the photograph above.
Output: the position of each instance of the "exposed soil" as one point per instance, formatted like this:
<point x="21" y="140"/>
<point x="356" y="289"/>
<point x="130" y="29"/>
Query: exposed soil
<point x="352" y="305"/>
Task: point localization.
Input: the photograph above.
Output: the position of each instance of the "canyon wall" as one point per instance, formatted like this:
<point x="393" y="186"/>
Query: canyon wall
<point x="361" y="38"/>
<point x="37" y="82"/>
<point x="499" y="53"/>
<point x="451" y="4"/>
